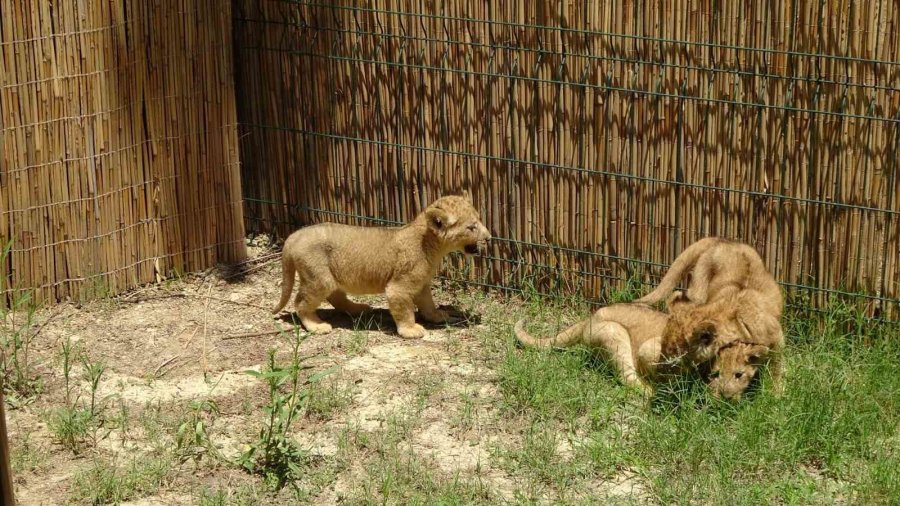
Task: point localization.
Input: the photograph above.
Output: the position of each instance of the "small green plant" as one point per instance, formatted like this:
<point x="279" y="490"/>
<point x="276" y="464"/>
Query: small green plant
<point x="274" y="454"/>
<point x="176" y="277"/>
<point x="96" y="288"/>
<point x="74" y="422"/>
<point x="467" y="417"/>
<point x="155" y="426"/>
<point x="66" y="354"/>
<point x="121" y="420"/>
<point x="357" y="342"/>
<point x="71" y="426"/>
<point x="93" y="371"/>
<point x="191" y="436"/>
<point x="211" y="498"/>
<point x="20" y="382"/>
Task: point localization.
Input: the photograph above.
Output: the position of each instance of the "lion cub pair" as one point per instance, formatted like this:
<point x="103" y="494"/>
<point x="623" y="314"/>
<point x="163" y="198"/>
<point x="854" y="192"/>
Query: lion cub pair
<point x="727" y="324"/>
<point x="334" y="260"/>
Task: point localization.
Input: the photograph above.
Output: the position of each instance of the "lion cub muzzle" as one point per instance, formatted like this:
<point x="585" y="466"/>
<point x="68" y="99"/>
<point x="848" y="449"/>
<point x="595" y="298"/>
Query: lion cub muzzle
<point x="483" y="235"/>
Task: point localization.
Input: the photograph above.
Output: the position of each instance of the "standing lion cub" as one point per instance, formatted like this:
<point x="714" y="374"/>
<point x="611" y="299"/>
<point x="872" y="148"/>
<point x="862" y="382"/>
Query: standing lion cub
<point x="334" y="260"/>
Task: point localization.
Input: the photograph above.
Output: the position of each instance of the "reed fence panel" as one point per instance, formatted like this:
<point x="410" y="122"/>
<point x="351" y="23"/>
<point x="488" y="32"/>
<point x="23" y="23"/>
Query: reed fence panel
<point x="598" y="138"/>
<point x="118" y="143"/>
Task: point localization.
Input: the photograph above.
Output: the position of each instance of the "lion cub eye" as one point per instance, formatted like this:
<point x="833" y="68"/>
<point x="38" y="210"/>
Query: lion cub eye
<point x="738" y="375"/>
<point x="473" y="227"/>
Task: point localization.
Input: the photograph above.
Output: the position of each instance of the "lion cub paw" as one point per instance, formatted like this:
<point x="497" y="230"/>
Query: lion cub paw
<point x="412" y="332"/>
<point x="318" y="328"/>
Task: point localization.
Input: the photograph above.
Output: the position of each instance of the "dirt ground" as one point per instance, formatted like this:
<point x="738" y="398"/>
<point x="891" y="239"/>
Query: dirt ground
<point x="191" y="339"/>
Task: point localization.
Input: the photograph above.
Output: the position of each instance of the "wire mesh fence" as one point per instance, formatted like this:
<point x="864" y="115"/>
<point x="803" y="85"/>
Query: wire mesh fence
<point x="598" y="138"/>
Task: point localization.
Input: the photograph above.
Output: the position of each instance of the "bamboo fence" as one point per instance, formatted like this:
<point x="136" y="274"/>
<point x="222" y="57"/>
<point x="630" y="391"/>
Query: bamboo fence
<point x="598" y="138"/>
<point x="118" y="143"/>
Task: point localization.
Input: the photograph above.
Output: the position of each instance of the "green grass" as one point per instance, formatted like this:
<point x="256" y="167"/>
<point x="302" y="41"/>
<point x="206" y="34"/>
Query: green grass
<point x="104" y="482"/>
<point x="395" y="474"/>
<point x="18" y="375"/>
<point x="192" y="440"/>
<point x="327" y="398"/>
<point x="27" y="456"/>
<point x="558" y="426"/>
<point x="831" y="437"/>
<point x="79" y="418"/>
<point x="244" y="495"/>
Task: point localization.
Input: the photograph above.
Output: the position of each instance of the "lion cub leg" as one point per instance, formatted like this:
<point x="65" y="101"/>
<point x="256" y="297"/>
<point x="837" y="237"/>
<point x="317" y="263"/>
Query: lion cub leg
<point x="427" y="309"/>
<point x="649" y="352"/>
<point x="403" y="309"/>
<point x="616" y="340"/>
<point x="340" y="301"/>
<point x="305" y="304"/>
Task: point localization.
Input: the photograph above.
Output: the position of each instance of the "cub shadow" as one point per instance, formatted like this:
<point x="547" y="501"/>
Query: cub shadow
<point x="380" y="319"/>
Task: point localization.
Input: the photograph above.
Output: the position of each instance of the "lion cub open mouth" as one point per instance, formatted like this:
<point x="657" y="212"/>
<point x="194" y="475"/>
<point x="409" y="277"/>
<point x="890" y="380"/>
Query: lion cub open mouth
<point x="472" y="249"/>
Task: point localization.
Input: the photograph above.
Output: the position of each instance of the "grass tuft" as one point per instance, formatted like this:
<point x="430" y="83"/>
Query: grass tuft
<point x="106" y="483"/>
<point x="831" y="436"/>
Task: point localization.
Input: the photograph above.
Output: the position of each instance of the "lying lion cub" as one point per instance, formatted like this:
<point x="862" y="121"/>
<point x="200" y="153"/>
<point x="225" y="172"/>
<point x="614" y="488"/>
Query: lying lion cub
<point x="631" y="334"/>
<point x="334" y="260"/>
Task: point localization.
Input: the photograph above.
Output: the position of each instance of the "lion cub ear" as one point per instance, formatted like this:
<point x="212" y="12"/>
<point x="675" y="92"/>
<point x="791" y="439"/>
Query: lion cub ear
<point x="678" y="300"/>
<point x="757" y="354"/>
<point x="439" y="219"/>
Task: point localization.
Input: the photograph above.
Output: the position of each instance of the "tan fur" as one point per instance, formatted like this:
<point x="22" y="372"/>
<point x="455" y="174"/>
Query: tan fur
<point x="695" y="333"/>
<point x="629" y="334"/>
<point x="334" y="260"/>
<point x="718" y="268"/>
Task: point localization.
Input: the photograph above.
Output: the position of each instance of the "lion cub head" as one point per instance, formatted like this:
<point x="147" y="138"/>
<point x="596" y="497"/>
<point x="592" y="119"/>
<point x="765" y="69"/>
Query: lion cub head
<point x="455" y="222"/>
<point x="734" y="368"/>
<point x="696" y="332"/>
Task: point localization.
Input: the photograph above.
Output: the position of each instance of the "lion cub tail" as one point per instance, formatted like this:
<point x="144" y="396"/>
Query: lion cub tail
<point x="681" y="266"/>
<point x="565" y="338"/>
<point x="287" y="283"/>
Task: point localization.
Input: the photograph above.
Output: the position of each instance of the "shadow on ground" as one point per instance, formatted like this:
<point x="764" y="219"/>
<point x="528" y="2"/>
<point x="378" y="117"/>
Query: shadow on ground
<point x="380" y="319"/>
